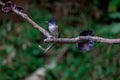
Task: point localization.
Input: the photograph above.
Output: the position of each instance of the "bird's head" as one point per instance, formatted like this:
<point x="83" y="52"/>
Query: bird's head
<point x="52" y="21"/>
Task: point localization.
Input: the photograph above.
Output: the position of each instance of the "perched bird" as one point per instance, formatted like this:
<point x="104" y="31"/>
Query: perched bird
<point x="53" y="28"/>
<point x="85" y="45"/>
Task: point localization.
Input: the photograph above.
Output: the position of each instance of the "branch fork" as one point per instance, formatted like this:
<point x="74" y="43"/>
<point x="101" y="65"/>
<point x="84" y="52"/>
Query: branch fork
<point x="49" y="38"/>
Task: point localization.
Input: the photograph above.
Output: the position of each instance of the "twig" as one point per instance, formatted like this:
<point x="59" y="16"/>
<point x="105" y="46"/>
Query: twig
<point x="47" y="49"/>
<point x="41" y="47"/>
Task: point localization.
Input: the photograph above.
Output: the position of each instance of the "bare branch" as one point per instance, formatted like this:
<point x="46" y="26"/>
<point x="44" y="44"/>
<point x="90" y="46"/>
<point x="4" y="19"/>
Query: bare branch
<point x="62" y="40"/>
<point x="80" y="38"/>
<point x="26" y="17"/>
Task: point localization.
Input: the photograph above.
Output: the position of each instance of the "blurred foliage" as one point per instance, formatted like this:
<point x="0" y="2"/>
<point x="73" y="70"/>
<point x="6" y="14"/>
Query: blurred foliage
<point x="100" y="63"/>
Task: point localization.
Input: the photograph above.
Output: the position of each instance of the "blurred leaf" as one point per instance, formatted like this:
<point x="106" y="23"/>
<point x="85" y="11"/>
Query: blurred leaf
<point x="113" y="5"/>
<point x="113" y="28"/>
<point x="9" y="49"/>
<point x="115" y="15"/>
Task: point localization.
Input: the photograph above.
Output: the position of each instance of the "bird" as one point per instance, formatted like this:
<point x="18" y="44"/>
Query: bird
<point x="53" y="28"/>
<point x="54" y="31"/>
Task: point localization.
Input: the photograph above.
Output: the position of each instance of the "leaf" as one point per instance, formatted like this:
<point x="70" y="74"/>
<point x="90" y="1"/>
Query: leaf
<point x="112" y="7"/>
<point x="113" y="28"/>
<point x="114" y="15"/>
<point x="9" y="49"/>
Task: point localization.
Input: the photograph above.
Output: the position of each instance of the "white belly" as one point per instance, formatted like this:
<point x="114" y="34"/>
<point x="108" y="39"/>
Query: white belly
<point x="53" y="30"/>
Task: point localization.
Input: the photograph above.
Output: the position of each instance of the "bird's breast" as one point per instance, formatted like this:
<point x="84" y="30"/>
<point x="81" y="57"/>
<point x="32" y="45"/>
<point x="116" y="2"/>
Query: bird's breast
<point x="53" y="30"/>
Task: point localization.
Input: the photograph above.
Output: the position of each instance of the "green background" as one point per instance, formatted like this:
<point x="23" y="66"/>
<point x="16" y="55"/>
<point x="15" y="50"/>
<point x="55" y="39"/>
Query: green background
<point x="20" y="38"/>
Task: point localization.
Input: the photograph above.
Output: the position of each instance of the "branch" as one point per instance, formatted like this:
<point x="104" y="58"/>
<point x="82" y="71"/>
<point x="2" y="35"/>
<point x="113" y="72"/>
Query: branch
<point x="26" y="17"/>
<point x="81" y="38"/>
<point x="62" y="40"/>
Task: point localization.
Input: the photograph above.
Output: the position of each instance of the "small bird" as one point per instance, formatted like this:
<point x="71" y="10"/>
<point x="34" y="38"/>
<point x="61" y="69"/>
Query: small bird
<point x="53" y="28"/>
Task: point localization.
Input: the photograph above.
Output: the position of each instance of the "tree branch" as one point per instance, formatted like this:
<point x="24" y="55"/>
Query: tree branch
<point x="26" y="17"/>
<point x="61" y="40"/>
<point x="81" y="38"/>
